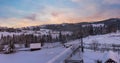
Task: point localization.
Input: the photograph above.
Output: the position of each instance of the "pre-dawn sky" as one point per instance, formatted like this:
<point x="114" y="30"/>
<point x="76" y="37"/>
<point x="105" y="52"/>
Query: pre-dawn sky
<point x="20" y="13"/>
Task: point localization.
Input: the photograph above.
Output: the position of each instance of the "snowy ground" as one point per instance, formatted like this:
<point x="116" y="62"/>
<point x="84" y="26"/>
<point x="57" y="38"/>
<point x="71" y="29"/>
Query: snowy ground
<point x="41" y="56"/>
<point x="44" y="55"/>
<point x="90" y="56"/>
<point x="113" y="38"/>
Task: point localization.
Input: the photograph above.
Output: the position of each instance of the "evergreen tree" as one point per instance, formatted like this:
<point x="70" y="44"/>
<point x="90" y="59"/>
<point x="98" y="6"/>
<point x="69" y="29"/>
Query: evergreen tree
<point x="60" y="37"/>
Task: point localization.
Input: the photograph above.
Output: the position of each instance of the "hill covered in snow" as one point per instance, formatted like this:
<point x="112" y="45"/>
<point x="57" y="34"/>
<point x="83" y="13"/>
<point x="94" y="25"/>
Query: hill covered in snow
<point x="47" y="55"/>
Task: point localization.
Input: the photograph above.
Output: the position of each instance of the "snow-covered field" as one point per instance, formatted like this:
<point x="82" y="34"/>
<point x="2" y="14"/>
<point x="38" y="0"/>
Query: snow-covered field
<point x="46" y="54"/>
<point x="41" y="56"/>
<point x="112" y="38"/>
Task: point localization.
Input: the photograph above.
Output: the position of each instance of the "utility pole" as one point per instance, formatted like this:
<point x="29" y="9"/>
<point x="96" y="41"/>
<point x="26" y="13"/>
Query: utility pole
<point x="82" y="47"/>
<point x="80" y="36"/>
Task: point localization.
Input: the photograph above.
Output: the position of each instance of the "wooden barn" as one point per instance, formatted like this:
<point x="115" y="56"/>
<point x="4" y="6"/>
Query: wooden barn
<point x="110" y="57"/>
<point x="35" y="46"/>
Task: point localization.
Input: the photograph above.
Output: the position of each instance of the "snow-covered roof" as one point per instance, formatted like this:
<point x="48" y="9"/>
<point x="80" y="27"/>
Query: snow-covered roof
<point x="97" y="25"/>
<point x="35" y="45"/>
<point x="110" y="55"/>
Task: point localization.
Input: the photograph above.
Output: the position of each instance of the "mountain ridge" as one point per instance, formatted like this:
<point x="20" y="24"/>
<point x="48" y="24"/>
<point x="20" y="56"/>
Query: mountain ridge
<point x="69" y="26"/>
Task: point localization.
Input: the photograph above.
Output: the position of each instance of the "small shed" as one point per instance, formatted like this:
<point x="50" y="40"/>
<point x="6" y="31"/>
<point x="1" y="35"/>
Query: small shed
<point x="110" y="57"/>
<point x="35" y="46"/>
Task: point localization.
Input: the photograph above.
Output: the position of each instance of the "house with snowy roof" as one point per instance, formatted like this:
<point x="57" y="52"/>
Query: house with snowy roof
<point x="110" y="57"/>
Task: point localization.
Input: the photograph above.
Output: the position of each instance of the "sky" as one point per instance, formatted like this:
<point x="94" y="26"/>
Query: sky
<point x="22" y="13"/>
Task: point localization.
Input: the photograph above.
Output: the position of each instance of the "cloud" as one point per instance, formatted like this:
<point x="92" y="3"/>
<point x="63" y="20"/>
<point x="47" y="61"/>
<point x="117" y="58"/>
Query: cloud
<point x="31" y="17"/>
<point x="103" y="1"/>
<point x="49" y="15"/>
<point x="14" y="22"/>
<point x="54" y="15"/>
<point x="111" y="1"/>
<point x="75" y="0"/>
<point x="49" y="12"/>
<point x="19" y="22"/>
<point x="84" y="11"/>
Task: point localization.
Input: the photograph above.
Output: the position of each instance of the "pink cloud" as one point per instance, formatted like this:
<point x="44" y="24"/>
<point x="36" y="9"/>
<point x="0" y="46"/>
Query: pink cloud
<point x="31" y="17"/>
<point x="55" y="15"/>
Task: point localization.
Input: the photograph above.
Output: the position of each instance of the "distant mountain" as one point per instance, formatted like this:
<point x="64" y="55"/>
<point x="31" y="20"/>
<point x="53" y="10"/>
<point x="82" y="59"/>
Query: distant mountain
<point x="68" y="26"/>
<point x="76" y="26"/>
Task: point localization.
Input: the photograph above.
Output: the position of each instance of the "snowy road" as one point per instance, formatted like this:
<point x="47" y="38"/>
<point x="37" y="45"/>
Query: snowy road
<point x="41" y="56"/>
